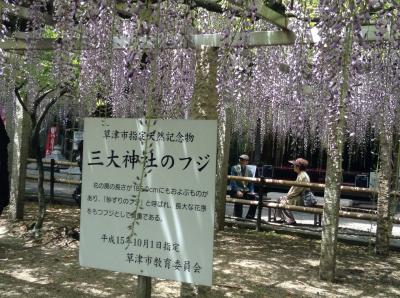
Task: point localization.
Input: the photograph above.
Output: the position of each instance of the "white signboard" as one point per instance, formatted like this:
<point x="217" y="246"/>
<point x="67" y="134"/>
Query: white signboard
<point x="165" y="227"/>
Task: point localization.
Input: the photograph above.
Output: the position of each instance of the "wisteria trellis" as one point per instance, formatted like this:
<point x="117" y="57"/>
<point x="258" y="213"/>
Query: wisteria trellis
<point x="304" y="90"/>
<point x="251" y="79"/>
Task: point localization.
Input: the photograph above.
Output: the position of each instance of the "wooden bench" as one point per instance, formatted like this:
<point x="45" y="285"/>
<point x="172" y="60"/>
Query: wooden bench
<point x="317" y="210"/>
<point x="361" y="208"/>
<point x="361" y="213"/>
<point x="317" y="216"/>
<point x="271" y="204"/>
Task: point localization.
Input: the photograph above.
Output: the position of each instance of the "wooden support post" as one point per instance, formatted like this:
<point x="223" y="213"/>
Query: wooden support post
<point x="317" y="219"/>
<point x="259" y="207"/>
<point x="269" y="215"/>
<point x="143" y="287"/>
<point x="52" y="163"/>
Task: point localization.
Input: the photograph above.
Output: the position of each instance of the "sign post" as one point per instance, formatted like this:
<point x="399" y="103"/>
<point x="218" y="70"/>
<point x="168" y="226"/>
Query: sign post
<point x="148" y="193"/>
<point x="144" y="287"/>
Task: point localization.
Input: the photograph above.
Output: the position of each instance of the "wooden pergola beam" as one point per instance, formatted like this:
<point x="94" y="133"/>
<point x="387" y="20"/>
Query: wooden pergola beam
<point x="273" y="38"/>
<point x="253" y="39"/>
<point x="263" y="11"/>
<point x="271" y="15"/>
<point x="368" y="33"/>
<point x="23" y="12"/>
<point x="45" y="44"/>
<point x="250" y="39"/>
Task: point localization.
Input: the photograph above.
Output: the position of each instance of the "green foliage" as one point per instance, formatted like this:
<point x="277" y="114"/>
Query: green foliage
<point x="49" y="32"/>
<point x="42" y="69"/>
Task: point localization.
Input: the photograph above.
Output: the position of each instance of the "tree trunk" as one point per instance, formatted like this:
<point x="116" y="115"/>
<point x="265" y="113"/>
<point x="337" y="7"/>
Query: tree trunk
<point x="224" y="138"/>
<point x="388" y="179"/>
<point x="333" y="180"/>
<point x="204" y="106"/>
<point x="11" y="132"/>
<point x="257" y="145"/>
<point x="20" y="141"/>
<point x="41" y="198"/>
<point x="395" y="186"/>
<point x="205" y="96"/>
<point x="383" y="229"/>
<point x="330" y="219"/>
<point x="394" y="199"/>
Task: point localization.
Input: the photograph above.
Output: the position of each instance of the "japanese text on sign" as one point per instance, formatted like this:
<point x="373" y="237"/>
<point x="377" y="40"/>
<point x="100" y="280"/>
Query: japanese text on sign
<point x="148" y="191"/>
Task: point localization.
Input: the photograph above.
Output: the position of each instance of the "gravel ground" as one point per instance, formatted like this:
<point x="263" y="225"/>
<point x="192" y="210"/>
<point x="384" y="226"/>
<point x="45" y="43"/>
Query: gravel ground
<point x="246" y="264"/>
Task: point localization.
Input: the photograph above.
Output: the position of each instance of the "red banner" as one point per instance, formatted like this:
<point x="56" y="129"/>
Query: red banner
<point x="51" y="139"/>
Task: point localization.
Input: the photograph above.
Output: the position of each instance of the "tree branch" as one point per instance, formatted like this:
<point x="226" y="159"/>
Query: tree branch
<point x="21" y="85"/>
<point x="47" y="108"/>
<point x="18" y="95"/>
<point x="44" y="88"/>
<point x="38" y="100"/>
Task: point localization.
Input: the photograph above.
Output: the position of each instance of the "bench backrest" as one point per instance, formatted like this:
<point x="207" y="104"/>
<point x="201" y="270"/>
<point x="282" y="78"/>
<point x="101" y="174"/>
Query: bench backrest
<point x="252" y="169"/>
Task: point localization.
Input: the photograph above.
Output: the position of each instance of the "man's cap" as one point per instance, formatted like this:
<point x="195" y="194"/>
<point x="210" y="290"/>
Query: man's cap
<point x="299" y="162"/>
<point x="244" y="157"/>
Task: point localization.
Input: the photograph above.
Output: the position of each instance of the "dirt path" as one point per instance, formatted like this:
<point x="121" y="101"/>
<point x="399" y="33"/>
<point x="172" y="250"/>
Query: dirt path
<point x="246" y="264"/>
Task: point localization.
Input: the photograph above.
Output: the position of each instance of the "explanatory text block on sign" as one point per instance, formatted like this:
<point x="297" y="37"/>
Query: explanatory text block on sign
<point x="158" y="175"/>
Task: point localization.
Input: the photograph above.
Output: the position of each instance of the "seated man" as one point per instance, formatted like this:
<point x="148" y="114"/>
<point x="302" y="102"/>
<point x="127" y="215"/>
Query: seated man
<point x="242" y="189"/>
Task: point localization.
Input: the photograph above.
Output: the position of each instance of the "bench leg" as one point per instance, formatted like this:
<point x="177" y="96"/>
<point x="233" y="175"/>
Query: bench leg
<point x="270" y="214"/>
<point x="317" y="219"/>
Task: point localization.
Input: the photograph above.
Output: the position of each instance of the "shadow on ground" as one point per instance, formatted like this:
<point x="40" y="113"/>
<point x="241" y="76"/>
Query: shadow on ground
<point x="246" y="264"/>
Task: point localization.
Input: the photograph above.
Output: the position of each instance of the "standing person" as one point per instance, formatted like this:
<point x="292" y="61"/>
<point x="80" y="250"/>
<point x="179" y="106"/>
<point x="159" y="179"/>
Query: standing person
<point x="243" y="189"/>
<point x="294" y="196"/>
<point x="4" y="184"/>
